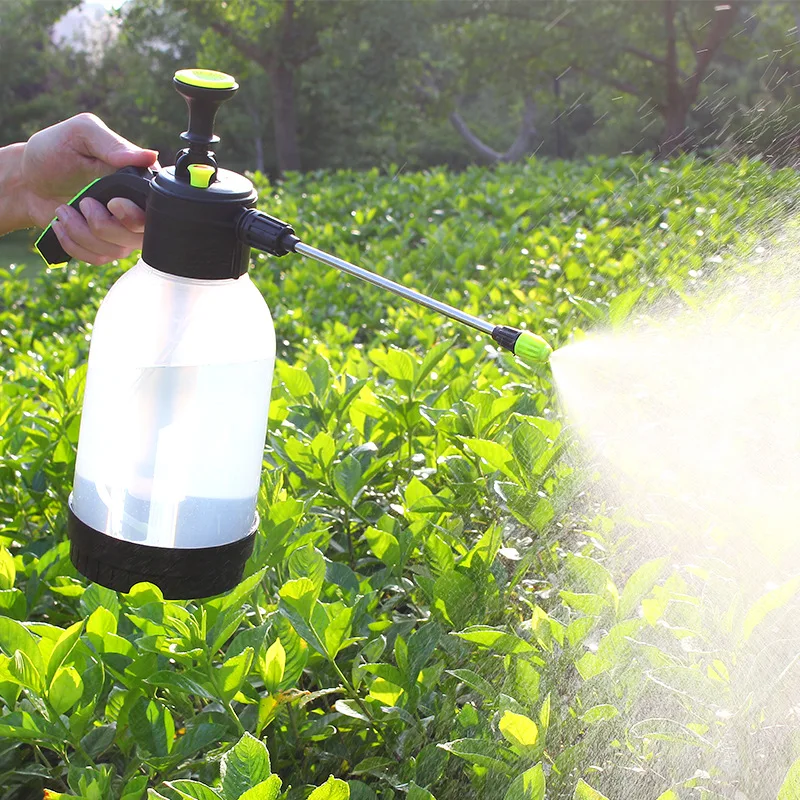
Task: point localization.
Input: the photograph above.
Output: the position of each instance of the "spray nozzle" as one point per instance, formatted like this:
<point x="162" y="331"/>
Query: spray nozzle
<point x="204" y="91"/>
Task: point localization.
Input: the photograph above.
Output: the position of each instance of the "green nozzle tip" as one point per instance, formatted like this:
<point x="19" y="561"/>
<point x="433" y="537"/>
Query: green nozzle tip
<point x="532" y="349"/>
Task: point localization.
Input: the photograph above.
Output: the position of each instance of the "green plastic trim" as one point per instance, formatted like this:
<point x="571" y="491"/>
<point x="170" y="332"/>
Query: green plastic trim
<point x="206" y="79"/>
<point x="200" y="175"/>
<point x="532" y="349"/>
<point x="41" y="235"/>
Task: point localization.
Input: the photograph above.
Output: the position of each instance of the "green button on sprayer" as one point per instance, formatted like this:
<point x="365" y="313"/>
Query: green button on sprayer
<point x="206" y="79"/>
<point x="200" y="175"/>
<point x="532" y="349"/>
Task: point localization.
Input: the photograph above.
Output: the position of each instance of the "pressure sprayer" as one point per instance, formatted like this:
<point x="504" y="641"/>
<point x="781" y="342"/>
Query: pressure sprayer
<point x="180" y="369"/>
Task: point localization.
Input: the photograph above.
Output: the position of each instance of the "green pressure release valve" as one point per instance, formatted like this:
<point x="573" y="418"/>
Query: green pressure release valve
<point x="202" y="221"/>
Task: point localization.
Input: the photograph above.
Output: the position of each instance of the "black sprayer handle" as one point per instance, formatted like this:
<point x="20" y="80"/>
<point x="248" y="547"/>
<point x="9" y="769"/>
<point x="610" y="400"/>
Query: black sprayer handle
<point x="132" y="183"/>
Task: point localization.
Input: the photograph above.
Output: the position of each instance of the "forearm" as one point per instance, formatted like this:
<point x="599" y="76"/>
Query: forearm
<point x="14" y="210"/>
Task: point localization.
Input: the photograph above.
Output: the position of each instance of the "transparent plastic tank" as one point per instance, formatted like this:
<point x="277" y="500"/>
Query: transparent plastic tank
<point x="175" y="410"/>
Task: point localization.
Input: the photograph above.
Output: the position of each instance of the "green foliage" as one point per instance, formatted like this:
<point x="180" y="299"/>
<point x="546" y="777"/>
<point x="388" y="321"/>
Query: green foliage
<point x="425" y="609"/>
<point x="352" y="84"/>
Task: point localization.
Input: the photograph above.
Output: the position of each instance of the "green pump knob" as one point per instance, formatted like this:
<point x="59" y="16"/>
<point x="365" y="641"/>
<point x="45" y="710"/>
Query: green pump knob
<point x="204" y="91"/>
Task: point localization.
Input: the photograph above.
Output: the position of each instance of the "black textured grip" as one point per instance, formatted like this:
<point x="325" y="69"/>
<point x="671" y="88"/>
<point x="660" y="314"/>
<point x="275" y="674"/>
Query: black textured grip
<point x="132" y="183"/>
<point x="180" y="573"/>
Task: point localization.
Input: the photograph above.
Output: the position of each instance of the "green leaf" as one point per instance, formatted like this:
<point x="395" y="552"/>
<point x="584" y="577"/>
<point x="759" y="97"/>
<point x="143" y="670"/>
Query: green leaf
<point x="65" y="690"/>
<point x="297" y="382"/>
<point x="134" y="788"/>
<point x="585" y="792"/>
<point x="14" y="636"/>
<point x="454" y="595"/>
<point x="790" y="788"/>
<point x="186" y="683"/>
<point x="400" y="366"/>
<point x="233" y="672"/>
<point x="590" y="604"/>
<point x="544" y="713"/>
<point x="152" y="727"/>
<point x="193" y="790"/>
<point x="600" y="713"/>
<point x="336" y="629"/>
<point x="671" y="795"/>
<point x="99" y="597"/>
<point x="266" y="790"/>
<point x="332" y="789"/>
<point x="595" y="312"/>
<point x="481" y="752"/>
<point x="300" y="594"/>
<point x="432" y="358"/>
<point x="638" y="585"/>
<point x="495" y="639"/>
<point x="439" y="555"/>
<point x="243" y="766"/>
<point x="528" y="444"/>
<point x="418" y="793"/>
<point x="8" y="572"/>
<point x="274" y="666"/>
<point x="385" y="692"/>
<point x="384" y="545"/>
<point x="347" y="478"/>
<point x="100" y="623"/>
<point x="528" y="786"/>
<point x="421" y="645"/>
<point x="64" y="646"/>
<point x="475" y="681"/>
<point x="199" y="736"/>
<point x="493" y="453"/>
<point x="518" y="729"/>
<point x="308" y="562"/>
<point x="771" y="601"/>
<point x="25" y="673"/>
<point x="13" y="603"/>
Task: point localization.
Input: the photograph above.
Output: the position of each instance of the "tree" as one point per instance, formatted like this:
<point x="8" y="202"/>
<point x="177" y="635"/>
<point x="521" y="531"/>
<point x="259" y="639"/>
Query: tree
<point x="504" y="48"/>
<point x="32" y="92"/>
<point x="620" y="53"/>
<point x="279" y="36"/>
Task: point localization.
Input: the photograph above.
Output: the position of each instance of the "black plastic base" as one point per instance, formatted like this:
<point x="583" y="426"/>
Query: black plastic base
<point x="180" y="573"/>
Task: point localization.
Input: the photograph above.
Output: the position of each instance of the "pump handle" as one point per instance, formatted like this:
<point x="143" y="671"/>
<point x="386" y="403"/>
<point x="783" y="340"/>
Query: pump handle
<point x="132" y="183"/>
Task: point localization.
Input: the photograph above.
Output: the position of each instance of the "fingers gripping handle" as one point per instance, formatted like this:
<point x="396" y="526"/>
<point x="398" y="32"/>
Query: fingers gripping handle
<point x="132" y="183"/>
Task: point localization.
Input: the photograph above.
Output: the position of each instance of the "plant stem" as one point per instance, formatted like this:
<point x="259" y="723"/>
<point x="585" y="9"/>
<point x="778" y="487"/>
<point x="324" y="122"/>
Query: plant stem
<point x="226" y="703"/>
<point x="48" y="766"/>
<point x="351" y="553"/>
<point x="357" y="698"/>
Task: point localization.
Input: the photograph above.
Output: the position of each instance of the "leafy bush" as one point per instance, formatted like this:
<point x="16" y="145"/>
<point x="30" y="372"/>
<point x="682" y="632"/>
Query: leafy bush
<point x="430" y="609"/>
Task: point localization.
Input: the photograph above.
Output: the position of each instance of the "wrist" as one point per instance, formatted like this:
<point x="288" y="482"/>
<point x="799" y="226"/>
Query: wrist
<point x="14" y="196"/>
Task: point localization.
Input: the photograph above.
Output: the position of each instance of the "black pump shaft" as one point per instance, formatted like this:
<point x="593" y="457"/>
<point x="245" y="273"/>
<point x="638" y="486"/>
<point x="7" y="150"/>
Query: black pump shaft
<point x="204" y="92"/>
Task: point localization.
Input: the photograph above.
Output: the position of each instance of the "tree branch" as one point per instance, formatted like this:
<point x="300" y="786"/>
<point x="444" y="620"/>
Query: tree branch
<point x="623" y="86"/>
<point x="245" y="47"/>
<point x="724" y="17"/>
<point x="520" y="146"/>
<point x="635" y="51"/>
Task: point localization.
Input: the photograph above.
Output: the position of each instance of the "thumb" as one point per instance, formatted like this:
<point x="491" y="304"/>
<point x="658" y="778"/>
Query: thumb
<point x="98" y="141"/>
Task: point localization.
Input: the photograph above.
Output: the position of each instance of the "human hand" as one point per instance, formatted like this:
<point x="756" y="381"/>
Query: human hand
<point x="58" y="162"/>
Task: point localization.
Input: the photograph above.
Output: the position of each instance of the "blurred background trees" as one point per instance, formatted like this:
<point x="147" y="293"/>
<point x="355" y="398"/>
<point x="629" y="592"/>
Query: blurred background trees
<point x="358" y="83"/>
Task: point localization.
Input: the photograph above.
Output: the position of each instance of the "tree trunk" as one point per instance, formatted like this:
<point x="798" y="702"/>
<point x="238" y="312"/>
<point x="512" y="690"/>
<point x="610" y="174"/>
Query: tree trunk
<point x="258" y="139"/>
<point x="284" y="108"/>
<point x="284" y="114"/>
<point x="682" y="94"/>
<point x="557" y="122"/>
<point x="675" y="135"/>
